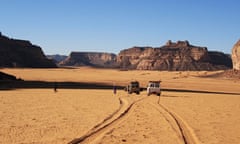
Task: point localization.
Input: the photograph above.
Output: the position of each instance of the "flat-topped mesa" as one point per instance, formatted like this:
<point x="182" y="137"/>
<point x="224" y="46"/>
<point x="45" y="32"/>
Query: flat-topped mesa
<point x="236" y="56"/>
<point x="96" y="59"/>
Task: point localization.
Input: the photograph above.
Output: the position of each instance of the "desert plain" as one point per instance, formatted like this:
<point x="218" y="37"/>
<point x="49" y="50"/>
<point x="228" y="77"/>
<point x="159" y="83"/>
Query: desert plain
<point x="197" y="107"/>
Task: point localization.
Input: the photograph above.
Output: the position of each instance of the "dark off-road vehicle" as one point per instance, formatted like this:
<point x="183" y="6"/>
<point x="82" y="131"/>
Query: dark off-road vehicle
<point x="133" y="87"/>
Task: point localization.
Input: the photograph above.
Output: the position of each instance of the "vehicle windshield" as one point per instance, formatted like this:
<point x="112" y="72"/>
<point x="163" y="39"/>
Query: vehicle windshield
<point x="134" y="84"/>
<point x="154" y="85"/>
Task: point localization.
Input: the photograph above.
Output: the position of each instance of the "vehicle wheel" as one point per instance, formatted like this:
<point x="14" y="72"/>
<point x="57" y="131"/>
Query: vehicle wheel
<point x="137" y="93"/>
<point x="158" y="94"/>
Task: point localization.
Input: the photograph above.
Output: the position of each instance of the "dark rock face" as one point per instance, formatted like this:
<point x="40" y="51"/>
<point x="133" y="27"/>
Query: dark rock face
<point x="236" y="56"/>
<point x="178" y="56"/>
<point x="220" y="60"/>
<point x="21" y="53"/>
<point x="95" y="59"/>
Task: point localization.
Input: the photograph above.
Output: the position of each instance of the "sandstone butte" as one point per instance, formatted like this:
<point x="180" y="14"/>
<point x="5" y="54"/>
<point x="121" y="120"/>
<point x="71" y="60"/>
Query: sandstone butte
<point x="236" y="56"/>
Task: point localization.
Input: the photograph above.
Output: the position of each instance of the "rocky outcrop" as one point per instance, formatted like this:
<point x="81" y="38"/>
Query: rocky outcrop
<point x="179" y="56"/>
<point x="21" y="53"/>
<point x="94" y="59"/>
<point x="236" y="56"/>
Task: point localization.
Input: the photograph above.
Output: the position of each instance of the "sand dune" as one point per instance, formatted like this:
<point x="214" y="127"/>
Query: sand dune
<point x="194" y="108"/>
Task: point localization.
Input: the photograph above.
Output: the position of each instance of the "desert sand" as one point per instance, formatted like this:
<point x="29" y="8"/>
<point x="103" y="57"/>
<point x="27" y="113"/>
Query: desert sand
<point x="195" y="107"/>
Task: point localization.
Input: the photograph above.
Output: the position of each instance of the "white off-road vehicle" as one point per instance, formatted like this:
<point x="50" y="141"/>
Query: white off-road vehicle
<point x="154" y="88"/>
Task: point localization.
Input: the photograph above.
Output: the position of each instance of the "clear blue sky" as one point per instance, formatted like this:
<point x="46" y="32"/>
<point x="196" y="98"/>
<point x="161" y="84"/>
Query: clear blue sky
<point x="62" y="26"/>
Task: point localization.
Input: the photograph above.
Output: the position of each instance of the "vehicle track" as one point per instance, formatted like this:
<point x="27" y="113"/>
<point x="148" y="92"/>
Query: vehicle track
<point x="184" y="131"/>
<point x="98" y="130"/>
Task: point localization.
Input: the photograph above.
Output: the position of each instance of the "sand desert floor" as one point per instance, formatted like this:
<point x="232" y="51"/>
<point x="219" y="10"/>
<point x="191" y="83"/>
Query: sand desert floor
<point x="195" y="107"/>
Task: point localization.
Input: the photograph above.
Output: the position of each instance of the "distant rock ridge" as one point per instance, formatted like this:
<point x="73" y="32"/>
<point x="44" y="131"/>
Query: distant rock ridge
<point x="21" y="53"/>
<point x="94" y="59"/>
<point x="236" y="56"/>
<point x="179" y="56"/>
<point x="57" y="58"/>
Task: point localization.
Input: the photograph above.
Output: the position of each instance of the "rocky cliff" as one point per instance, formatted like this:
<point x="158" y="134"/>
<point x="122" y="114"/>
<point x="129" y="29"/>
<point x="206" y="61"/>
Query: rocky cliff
<point x="21" y="53"/>
<point x="179" y="56"/>
<point x="236" y="56"/>
<point x="95" y="59"/>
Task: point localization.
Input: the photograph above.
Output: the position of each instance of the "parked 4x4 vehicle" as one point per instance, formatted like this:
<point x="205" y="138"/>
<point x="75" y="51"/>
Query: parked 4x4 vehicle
<point x="154" y="88"/>
<point x="133" y="87"/>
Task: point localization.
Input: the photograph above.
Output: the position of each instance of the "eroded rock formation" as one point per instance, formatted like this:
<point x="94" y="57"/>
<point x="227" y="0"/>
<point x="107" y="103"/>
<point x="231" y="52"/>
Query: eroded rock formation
<point x="179" y="56"/>
<point x="236" y="56"/>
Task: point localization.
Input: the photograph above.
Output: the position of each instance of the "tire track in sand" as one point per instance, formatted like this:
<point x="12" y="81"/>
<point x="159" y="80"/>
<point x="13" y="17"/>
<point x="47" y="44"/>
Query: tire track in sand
<point x="142" y="124"/>
<point x="183" y="129"/>
<point x="97" y="132"/>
